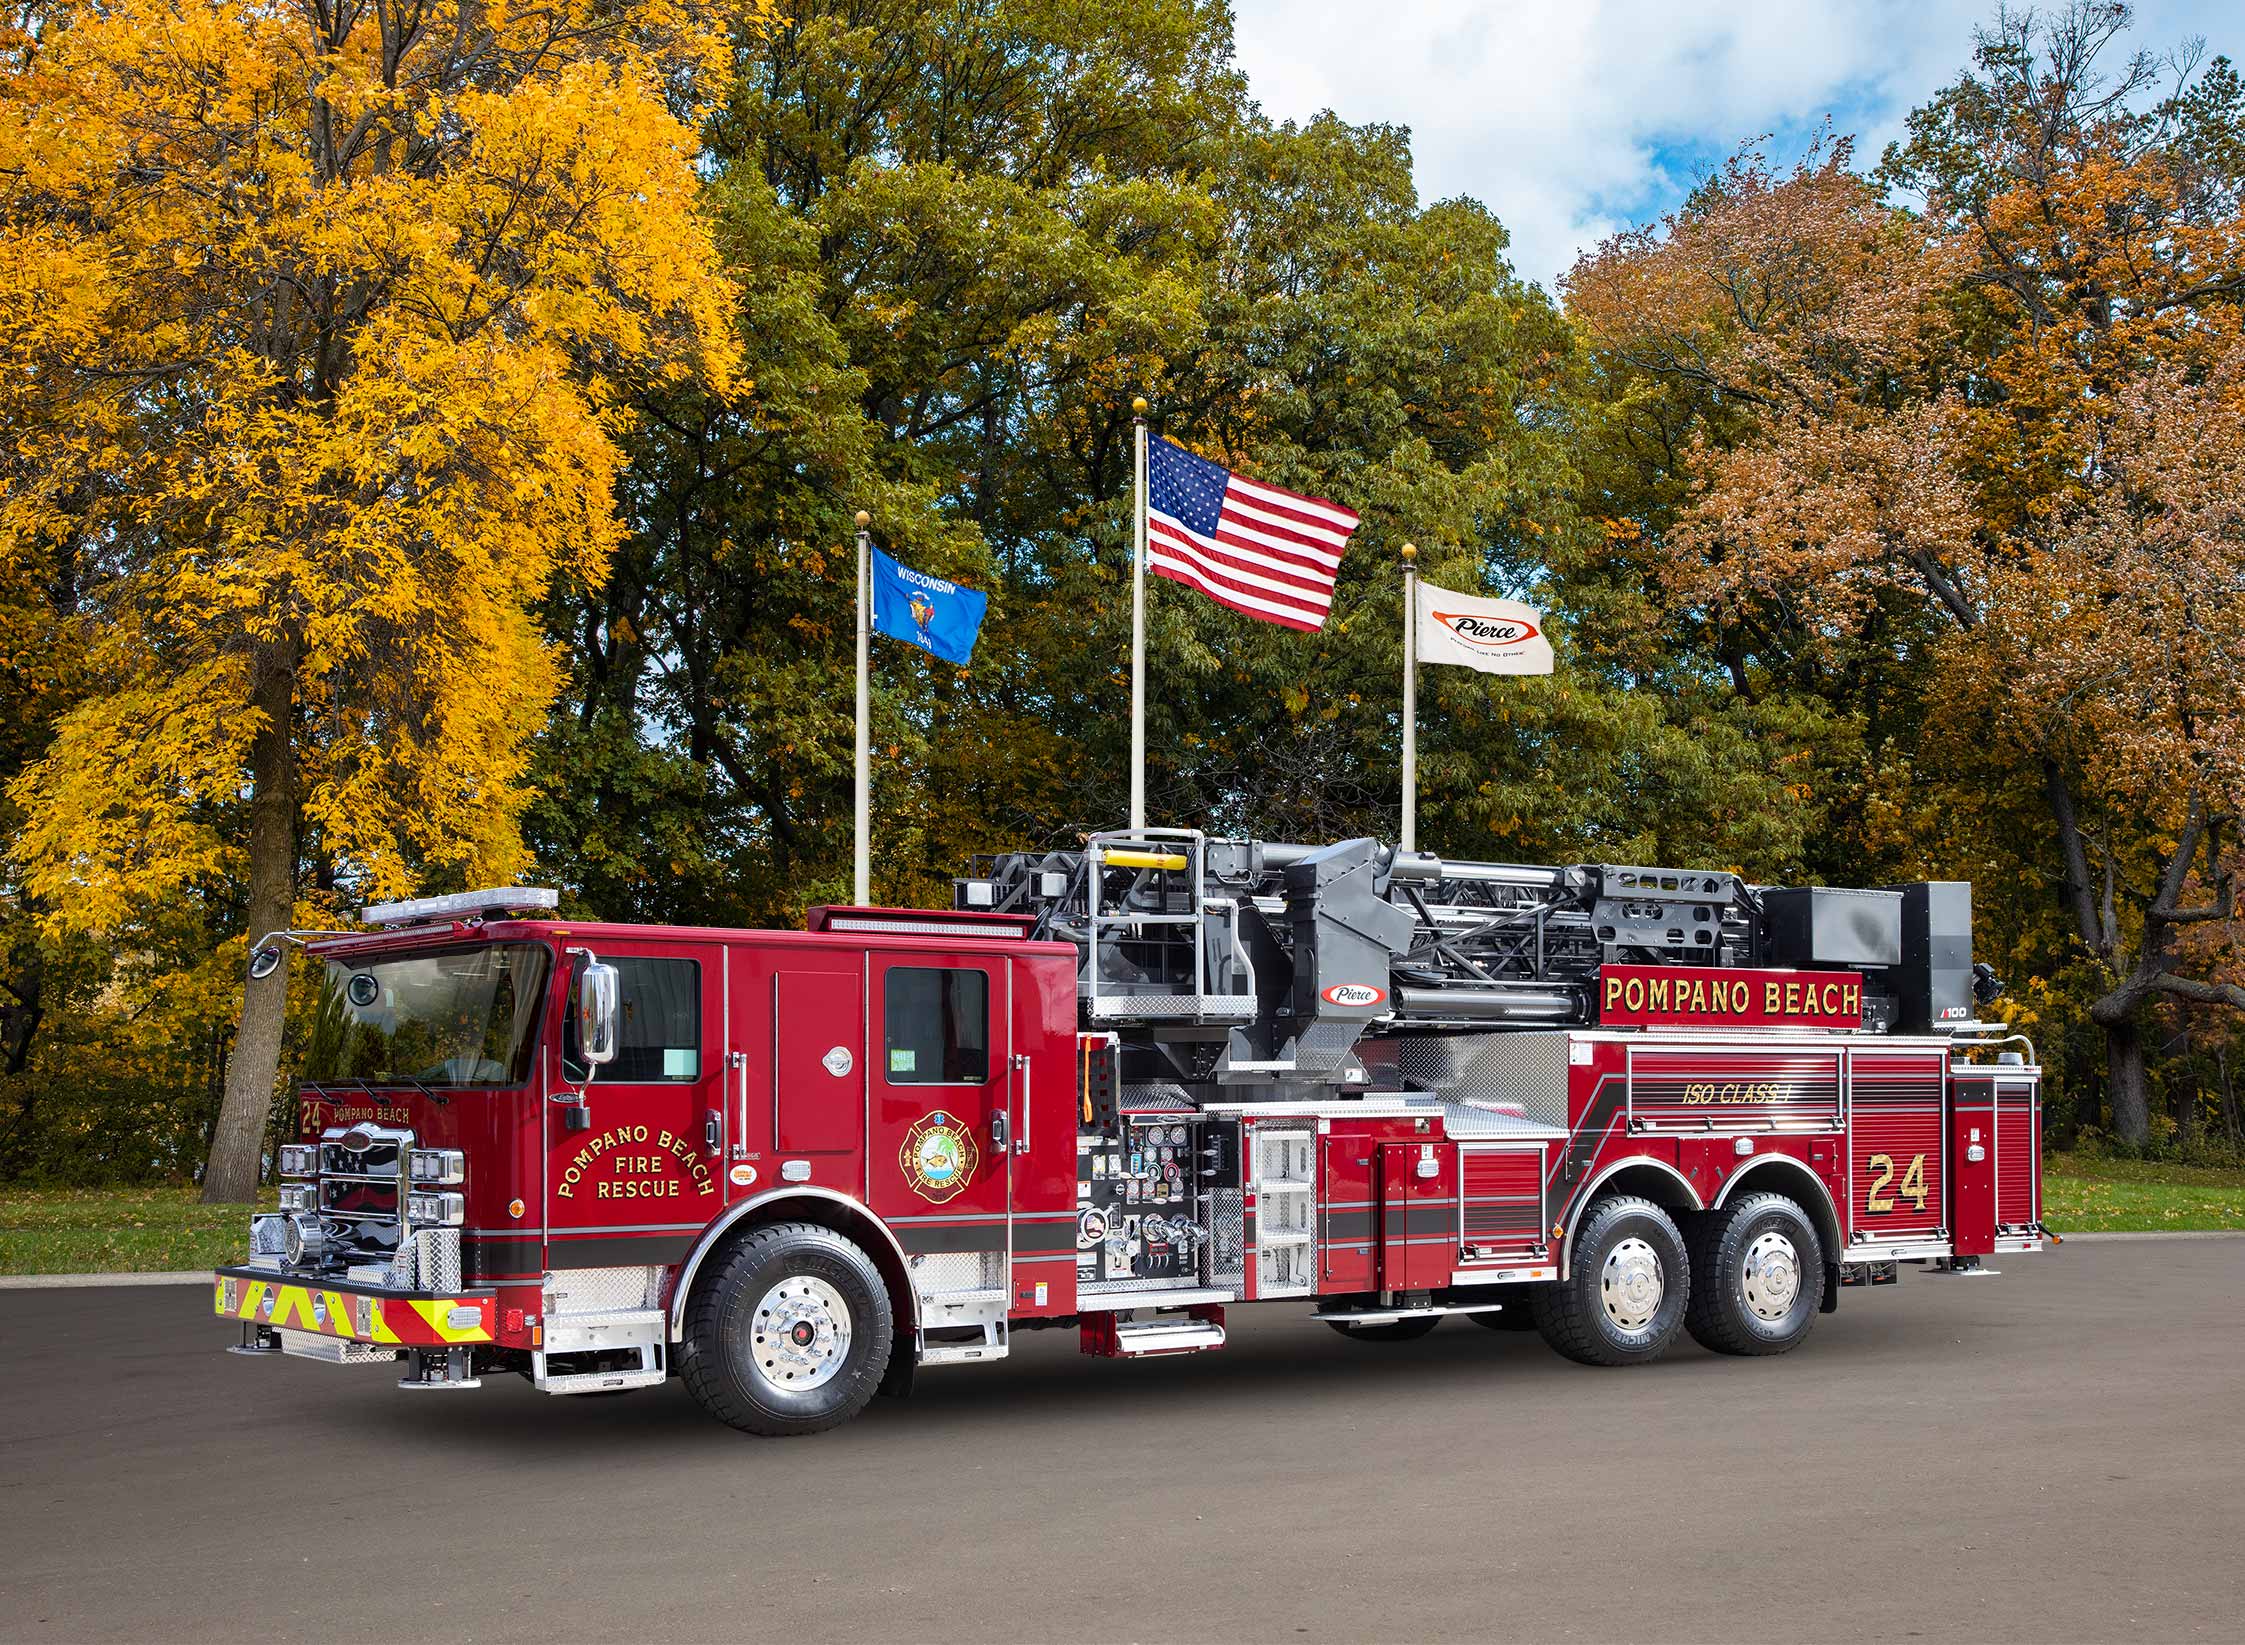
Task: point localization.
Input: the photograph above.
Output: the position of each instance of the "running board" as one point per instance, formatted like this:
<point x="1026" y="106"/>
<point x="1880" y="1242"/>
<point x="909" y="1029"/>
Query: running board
<point x="1388" y="1316"/>
<point x="1106" y="1337"/>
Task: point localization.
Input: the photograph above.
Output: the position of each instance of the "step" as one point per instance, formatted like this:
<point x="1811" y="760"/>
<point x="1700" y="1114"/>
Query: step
<point x="1388" y="1316"/>
<point x="600" y="1382"/>
<point x="1089" y="1301"/>
<point x="963" y="1353"/>
<point x="1135" y="1339"/>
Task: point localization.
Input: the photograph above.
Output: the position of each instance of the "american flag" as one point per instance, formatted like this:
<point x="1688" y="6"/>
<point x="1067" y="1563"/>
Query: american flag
<point x="1269" y="553"/>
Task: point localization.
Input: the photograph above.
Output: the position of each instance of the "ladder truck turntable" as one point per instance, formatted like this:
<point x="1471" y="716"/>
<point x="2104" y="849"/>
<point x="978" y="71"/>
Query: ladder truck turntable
<point x="1121" y="1089"/>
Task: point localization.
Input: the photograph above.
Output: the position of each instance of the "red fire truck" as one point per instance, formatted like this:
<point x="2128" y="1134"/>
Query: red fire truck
<point x="1121" y="1089"/>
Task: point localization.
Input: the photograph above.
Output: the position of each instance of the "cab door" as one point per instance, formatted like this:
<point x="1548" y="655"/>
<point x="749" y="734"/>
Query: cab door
<point x="940" y="1079"/>
<point x="641" y="1175"/>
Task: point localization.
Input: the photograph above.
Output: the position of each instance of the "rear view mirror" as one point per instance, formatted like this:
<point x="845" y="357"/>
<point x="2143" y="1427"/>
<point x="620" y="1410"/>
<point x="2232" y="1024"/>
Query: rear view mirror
<point x="598" y="994"/>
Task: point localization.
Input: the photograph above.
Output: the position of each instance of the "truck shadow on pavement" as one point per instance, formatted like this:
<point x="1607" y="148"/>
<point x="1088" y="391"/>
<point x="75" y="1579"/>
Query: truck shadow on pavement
<point x="1272" y="1371"/>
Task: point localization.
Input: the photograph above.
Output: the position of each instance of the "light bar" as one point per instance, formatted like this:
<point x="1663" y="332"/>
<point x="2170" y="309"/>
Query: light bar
<point x="919" y="922"/>
<point x="914" y="928"/>
<point x="504" y="899"/>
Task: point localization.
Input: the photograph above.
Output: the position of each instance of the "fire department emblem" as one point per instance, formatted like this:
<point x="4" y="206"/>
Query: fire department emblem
<point x="939" y="1156"/>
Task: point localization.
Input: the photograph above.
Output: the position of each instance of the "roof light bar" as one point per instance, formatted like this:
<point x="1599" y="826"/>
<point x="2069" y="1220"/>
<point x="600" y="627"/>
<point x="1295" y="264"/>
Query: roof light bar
<point x="504" y="899"/>
<point x="920" y="922"/>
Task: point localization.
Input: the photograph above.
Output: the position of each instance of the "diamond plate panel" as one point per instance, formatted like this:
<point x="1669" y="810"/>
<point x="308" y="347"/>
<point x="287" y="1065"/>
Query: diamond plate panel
<point x="1527" y="1068"/>
<point x="945" y="1272"/>
<point x="602" y="1290"/>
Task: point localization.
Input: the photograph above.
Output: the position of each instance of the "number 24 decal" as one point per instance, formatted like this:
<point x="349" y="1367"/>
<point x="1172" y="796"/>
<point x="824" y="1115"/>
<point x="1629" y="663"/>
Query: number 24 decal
<point x="1913" y="1183"/>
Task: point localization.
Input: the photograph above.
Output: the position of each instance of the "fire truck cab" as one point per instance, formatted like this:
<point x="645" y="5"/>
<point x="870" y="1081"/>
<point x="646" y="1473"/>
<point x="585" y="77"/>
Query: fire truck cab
<point x="1120" y="1090"/>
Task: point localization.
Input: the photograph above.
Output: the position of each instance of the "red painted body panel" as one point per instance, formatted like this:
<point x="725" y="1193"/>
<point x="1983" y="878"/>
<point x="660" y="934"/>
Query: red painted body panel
<point x="795" y="1084"/>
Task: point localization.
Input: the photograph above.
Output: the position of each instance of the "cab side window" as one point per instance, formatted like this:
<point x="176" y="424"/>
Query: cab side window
<point x="660" y="1036"/>
<point x="936" y="1026"/>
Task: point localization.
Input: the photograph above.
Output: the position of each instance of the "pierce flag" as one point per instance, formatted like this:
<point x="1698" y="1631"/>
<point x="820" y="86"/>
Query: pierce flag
<point x="1494" y="636"/>
<point x="937" y="616"/>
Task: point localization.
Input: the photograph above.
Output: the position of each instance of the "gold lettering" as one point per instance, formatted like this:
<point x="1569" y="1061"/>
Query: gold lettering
<point x="1770" y="995"/>
<point x="1660" y="994"/>
<point x="1633" y="996"/>
<point x="1792" y="999"/>
<point x="1613" y="991"/>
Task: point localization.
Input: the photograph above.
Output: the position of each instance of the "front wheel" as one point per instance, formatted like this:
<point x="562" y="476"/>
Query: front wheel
<point x="791" y="1335"/>
<point x="1761" y="1277"/>
<point x="1628" y="1284"/>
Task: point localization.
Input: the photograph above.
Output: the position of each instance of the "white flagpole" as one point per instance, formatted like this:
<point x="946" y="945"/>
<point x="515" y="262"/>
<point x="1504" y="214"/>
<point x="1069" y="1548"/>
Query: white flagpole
<point x="1410" y="840"/>
<point x="1138" y="625"/>
<point x="862" y="885"/>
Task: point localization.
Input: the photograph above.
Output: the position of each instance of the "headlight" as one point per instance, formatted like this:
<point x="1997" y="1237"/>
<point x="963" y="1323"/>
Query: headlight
<point x="299" y="1159"/>
<point x="435" y="1210"/>
<point x="439" y="1165"/>
<point x="299" y="1196"/>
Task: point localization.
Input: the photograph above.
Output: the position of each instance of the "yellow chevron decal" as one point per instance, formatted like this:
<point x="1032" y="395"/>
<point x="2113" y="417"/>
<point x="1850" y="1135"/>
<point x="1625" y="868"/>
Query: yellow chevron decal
<point x="435" y="1312"/>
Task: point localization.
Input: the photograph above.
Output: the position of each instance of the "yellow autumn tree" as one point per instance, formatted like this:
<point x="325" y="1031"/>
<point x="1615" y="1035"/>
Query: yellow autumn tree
<point x="317" y="326"/>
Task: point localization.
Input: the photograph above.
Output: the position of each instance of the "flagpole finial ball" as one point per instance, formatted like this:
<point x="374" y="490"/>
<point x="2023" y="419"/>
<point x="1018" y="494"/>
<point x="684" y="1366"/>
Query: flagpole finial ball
<point x="1138" y="406"/>
<point x="1409" y="553"/>
<point x="863" y="519"/>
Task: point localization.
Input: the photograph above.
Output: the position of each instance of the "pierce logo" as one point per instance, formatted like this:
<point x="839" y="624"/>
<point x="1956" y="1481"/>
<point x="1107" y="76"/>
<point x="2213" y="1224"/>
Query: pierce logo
<point x="1488" y="633"/>
<point x="1353" y="993"/>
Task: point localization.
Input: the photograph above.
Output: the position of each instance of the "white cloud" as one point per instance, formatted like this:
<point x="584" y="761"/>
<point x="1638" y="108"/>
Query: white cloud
<point x="1569" y="120"/>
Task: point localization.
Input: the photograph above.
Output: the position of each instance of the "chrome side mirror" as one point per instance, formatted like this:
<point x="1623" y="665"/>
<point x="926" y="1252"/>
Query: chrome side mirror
<point x="598" y="1008"/>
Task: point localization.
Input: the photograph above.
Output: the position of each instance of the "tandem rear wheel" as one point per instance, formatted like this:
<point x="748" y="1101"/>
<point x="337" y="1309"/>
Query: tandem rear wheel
<point x="791" y="1334"/>
<point x="1627" y="1289"/>
<point x="1758" y="1276"/>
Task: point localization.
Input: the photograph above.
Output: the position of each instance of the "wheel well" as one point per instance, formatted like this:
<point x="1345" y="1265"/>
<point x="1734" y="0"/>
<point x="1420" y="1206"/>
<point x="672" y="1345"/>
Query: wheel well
<point x="1783" y="1174"/>
<point x="1649" y="1179"/>
<point x="845" y="1217"/>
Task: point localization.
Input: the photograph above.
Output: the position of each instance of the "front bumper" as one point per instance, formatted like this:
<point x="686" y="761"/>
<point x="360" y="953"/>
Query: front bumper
<point x="276" y="1299"/>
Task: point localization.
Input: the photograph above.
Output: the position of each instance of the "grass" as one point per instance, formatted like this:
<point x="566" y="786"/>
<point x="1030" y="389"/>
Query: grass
<point x="142" y="1230"/>
<point x="2089" y="1194"/>
<point x="117" y="1230"/>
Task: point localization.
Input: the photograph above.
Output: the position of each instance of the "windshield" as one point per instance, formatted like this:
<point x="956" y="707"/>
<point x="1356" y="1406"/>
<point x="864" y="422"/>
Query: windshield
<point x="464" y="1017"/>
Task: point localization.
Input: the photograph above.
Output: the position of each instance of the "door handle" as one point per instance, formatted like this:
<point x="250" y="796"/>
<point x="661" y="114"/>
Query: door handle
<point x="1021" y="1066"/>
<point x="711" y="1131"/>
<point x="1000" y="1133"/>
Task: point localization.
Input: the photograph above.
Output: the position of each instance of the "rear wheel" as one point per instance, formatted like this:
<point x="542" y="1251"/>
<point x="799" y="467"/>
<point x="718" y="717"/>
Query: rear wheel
<point x="1760" y="1270"/>
<point x="1395" y="1330"/>
<point x="1628" y="1284"/>
<point x="790" y="1335"/>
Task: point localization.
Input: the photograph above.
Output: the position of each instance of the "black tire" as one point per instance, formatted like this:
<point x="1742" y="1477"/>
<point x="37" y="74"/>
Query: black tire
<point x="801" y="1282"/>
<point x="1765" y="1312"/>
<point x="1395" y="1330"/>
<point x="1518" y="1313"/>
<point x="1587" y="1316"/>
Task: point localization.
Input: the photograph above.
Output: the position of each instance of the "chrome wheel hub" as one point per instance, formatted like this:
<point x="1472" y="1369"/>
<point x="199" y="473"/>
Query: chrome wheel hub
<point x="1772" y="1280"/>
<point x="1631" y="1284"/>
<point x="801" y="1333"/>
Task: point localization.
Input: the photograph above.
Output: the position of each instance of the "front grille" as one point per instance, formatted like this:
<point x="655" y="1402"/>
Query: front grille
<point x="362" y="1227"/>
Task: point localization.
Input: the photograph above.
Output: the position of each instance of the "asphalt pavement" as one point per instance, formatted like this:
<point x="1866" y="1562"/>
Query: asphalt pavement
<point x="2053" y="1454"/>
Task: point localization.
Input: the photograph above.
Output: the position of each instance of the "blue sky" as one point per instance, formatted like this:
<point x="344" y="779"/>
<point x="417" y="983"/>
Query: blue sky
<point x="1573" y="118"/>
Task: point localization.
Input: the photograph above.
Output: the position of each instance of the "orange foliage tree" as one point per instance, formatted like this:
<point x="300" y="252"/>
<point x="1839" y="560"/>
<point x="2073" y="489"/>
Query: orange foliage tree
<point x="2015" y="415"/>
<point x="318" y="323"/>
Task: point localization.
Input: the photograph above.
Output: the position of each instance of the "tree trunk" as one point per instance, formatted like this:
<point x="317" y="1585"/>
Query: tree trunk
<point x="2229" y="1098"/>
<point x="238" y="1142"/>
<point x="2124" y="1075"/>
